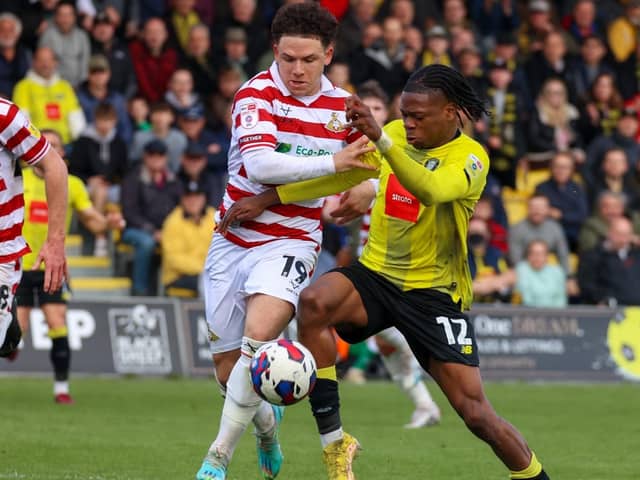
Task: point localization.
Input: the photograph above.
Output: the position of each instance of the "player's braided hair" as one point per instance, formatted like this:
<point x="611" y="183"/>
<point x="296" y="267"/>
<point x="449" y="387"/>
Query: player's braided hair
<point x="308" y="19"/>
<point x="453" y="86"/>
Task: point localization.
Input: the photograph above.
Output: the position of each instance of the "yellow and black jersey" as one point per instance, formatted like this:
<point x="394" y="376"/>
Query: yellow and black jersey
<point x="36" y="211"/>
<point x="420" y="218"/>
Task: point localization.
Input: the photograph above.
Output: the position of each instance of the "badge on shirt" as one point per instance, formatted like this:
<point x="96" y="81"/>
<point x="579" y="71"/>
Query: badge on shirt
<point x="432" y="164"/>
<point x="249" y="115"/>
<point x="474" y="165"/>
<point x="334" y="124"/>
<point x="52" y="111"/>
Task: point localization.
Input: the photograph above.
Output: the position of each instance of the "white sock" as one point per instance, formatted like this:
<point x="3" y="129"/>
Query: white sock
<point x="60" y="387"/>
<point x="327" y="438"/>
<point x="240" y="405"/>
<point x="420" y="396"/>
<point x="407" y="374"/>
<point x="264" y="420"/>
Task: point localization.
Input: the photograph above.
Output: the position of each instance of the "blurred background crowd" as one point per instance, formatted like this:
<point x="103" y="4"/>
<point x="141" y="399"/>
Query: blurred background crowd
<point x="140" y="91"/>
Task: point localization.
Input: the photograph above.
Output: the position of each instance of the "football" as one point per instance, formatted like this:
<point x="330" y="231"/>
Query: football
<point x="283" y="372"/>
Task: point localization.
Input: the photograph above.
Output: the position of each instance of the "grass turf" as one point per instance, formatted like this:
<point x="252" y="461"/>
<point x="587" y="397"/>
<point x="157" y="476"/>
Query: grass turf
<point x="159" y="429"/>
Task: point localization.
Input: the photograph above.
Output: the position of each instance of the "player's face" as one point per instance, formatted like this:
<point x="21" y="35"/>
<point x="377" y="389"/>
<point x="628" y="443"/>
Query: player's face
<point x="429" y="119"/>
<point x="301" y="62"/>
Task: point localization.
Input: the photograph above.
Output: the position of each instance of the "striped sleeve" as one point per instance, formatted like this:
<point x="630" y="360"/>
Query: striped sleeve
<point x="253" y="120"/>
<point x="20" y="136"/>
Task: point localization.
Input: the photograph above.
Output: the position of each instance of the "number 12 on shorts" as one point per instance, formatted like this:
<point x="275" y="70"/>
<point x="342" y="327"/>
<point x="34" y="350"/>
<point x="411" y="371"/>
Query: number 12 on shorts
<point x="462" y="339"/>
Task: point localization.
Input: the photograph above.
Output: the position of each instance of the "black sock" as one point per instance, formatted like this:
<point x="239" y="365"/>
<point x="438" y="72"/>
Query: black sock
<point x="325" y="405"/>
<point x="60" y="358"/>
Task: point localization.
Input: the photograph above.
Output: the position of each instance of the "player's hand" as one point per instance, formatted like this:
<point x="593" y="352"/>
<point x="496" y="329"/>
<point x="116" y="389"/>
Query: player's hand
<point x="354" y="203"/>
<point x="246" y="209"/>
<point x="349" y="157"/>
<point x="361" y="118"/>
<point x="55" y="263"/>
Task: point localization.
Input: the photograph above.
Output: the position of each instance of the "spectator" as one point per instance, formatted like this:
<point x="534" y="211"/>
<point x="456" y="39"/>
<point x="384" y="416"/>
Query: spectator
<point x="161" y="118"/>
<point x="198" y="59"/>
<point x="186" y="234"/>
<point x="180" y="95"/>
<point x="153" y="60"/>
<point x="96" y="90"/>
<point x="193" y="124"/>
<point x="340" y="75"/>
<point x="602" y="107"/>
<point x="537" y="24"/>
<point x="405" y="11"/>
<point x="484" y="210"/>
<point x="623" y="32"/>
<point x="623" y="137"/>
<point x="491" y="277"/>
<point x="504" y="129"/>
<point x="454" y="16"/>
<point x="229" y="81"/>
<point x="123" y="14"/>
<point x="609" y="206"/>
<point x="99" y="158"/>
<point x="48" y="100"/>
<point x="538" y="226"/>
<point x="568" y="200"/>
<point x="494" y="19"/>
<point x="590" y="65"/>
<point x="538" y="283"/>
<point x="360" y="14"/>
<point x="614" y="176"/>
<point x="235" y="53"/>
<point x="463" y="39"/>
<point x="583" y="22"/>
<point x="506" y="50"/>
<point x="70" y="44"/>
<point x="385" y="60"/>
<point x="470" y="66"/>
<point x="437" y="47"/>
<point x="149" y="193"/>
<point x="553" y="126"/>
<point x="104" y="41"/>
<point x="193" y="170"/>
<point x="138" y="109"/>
<point x="551" y="62"/>
<point x="609" y="273"/>
<point x="14" y="58"/>
<point x="245" y="15"/>
<point x="181" y="18"/>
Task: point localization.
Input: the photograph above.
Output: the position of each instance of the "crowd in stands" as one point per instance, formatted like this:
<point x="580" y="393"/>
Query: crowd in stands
<point x="140" y="93"/>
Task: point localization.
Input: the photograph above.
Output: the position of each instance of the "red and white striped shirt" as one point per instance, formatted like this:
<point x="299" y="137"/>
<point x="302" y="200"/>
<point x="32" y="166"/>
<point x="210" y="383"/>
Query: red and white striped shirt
<point x="19" y="140"/>
<point x="278" y="138"/>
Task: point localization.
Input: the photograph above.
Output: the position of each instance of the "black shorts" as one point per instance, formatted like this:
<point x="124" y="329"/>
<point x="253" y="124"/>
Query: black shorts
<point x="433" y="325"/>
<point x="31" y="292"/>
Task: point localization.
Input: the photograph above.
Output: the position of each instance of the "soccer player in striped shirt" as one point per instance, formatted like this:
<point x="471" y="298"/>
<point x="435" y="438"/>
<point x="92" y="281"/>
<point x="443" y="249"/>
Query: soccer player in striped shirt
<point x="289" y="124"/>
<point x="413" y="273"/>
<point x="20" y="140"/>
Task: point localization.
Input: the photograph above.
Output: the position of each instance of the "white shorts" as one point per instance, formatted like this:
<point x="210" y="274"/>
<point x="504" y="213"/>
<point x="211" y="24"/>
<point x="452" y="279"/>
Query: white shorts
<point x="281" y="269"/>
<point x="10" y="275"/>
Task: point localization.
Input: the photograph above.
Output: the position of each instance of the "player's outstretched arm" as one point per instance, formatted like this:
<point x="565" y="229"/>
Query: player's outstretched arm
<point x="54" y="172"/>
<point x="442" y="185"/>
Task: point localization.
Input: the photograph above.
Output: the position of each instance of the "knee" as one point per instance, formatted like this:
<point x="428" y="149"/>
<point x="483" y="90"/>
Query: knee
<point x="311" y="308"/>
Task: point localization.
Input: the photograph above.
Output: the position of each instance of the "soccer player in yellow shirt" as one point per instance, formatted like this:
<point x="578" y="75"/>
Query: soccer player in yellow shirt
<point x="31" y="291"/>
<point x="413" y="273"/>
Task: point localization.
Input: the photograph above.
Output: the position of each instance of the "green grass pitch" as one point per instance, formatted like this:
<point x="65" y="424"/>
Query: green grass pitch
<point x="159" y="429"/>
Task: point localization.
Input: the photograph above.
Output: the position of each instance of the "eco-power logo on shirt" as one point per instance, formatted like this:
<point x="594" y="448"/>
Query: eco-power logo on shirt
<point x="139" y="340"/>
